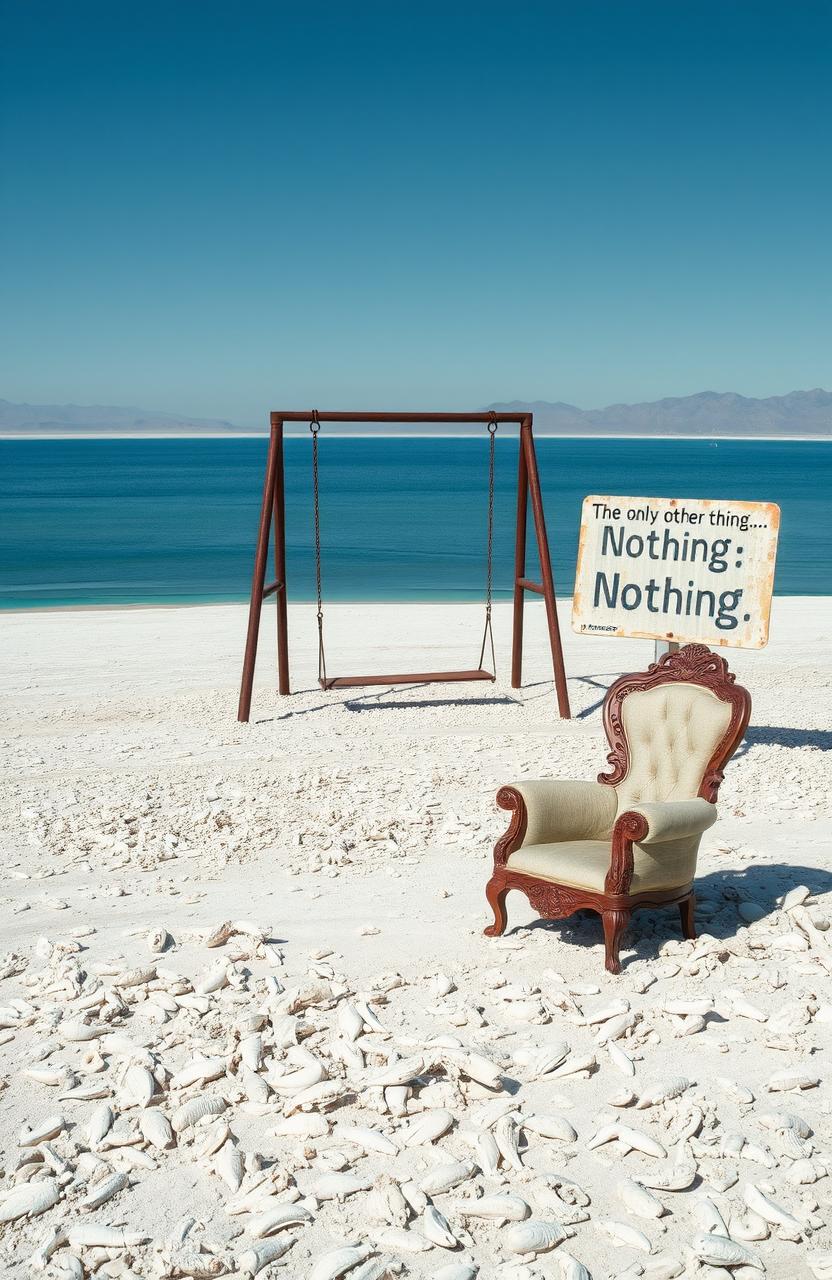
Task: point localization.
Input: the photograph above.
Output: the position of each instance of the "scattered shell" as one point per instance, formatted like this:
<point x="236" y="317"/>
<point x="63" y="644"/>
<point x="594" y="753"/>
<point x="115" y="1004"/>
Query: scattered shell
<point x="93" y="1235"/>
<point x="337" y="1186"/>
<point x="284" y="1215"/>
<point x="623" y="1233"/>
<point x="367" y="1139"/>
<point x="571" y="1268"/>
<point x="794" y="1078"/>
<point x="426" y="1128"/>
<point x="446" y="1176"/>
<point x="332" y="1265"/>
<point x="437" y="1229"/>
<point x="190" y="1112"/>
<point x="156" y="1129"/>
<point x="139" y="1085"/>
<point x="534" y="1236"/>
<point x="772" y="1212"/>
<point x="30" y="1200"/>
<point x="99" y="1125"/>
<point x="504" y="1207"/>
<point x="638" y="1200"/>
<point x="44" y="1131"/>
<point x="550" y="1126"/>
<point x="456" y="1271"/>
<point x="104" y="1191"/>
<point x="664" y="1091"/>
<point x="230" y="1165"/>
<point x="677" y="1177"/>
<point x="720" y="1251"/>
<point x="252" y="1262"/>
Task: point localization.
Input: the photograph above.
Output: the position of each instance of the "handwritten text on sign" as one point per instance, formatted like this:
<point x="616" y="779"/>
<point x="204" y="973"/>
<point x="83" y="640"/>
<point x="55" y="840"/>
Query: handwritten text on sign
<point x="676" y="569"/>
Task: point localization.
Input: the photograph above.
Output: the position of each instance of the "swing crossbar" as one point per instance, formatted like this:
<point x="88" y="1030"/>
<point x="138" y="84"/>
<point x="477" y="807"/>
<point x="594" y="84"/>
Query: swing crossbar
<point x="411" y="677"/>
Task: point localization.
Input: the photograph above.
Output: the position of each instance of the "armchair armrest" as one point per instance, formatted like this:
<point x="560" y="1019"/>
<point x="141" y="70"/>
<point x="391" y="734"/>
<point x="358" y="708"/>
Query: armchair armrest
<point x="549" y="810"/>
<point x="673" y="819"/>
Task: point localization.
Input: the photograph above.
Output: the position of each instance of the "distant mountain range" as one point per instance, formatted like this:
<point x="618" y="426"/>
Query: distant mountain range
<point x="103" y="420"/>
<point x="708" y="414"/>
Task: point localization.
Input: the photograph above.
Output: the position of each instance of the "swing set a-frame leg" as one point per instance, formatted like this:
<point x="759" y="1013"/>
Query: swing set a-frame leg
<point x="528" y="483"/>
<point x="272" y="510"/>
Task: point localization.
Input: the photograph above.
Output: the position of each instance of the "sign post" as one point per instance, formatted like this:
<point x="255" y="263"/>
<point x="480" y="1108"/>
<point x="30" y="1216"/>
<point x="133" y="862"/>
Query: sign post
<point x="676" y="569"/>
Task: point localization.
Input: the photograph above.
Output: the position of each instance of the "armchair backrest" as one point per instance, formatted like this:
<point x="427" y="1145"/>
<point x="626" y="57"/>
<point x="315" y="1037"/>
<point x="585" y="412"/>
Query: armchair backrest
<point x="673" y="727"/>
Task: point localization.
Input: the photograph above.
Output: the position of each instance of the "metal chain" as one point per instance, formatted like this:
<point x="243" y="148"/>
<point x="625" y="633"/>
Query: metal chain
<point x="314" y="427"/>
<point x="492" y="432"/>
<point x="488" y="634"/>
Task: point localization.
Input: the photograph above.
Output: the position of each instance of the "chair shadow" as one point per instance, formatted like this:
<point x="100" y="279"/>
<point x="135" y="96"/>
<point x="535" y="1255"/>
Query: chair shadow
<point x="755" y="735"/>
<point x="760" y="882"/>
<point x="650" y="928"/>
<point x="783" y="736"/>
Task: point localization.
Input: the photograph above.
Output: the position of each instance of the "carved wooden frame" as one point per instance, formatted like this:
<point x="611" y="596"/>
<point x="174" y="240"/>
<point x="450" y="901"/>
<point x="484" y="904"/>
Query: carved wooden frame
<point x="693" y="664"/>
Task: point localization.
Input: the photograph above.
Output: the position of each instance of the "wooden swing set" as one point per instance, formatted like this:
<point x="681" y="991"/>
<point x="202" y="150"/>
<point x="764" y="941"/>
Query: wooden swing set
<point x="272" y="512"/>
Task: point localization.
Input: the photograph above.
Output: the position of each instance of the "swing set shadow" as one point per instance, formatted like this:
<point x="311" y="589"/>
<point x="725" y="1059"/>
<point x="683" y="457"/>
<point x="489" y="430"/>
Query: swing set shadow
<point x="373" y="702"/>
<point x="272" y="514"/>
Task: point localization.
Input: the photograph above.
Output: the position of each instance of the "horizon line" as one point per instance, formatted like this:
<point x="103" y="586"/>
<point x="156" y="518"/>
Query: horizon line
<point x="398" y="435"/>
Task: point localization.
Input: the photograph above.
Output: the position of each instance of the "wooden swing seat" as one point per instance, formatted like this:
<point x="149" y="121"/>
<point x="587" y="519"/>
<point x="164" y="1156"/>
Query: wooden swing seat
<point x="412" y="677"/>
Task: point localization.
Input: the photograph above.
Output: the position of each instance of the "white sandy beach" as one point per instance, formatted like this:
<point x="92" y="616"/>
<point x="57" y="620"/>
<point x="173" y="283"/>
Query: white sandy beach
<point x="355" y="828"/>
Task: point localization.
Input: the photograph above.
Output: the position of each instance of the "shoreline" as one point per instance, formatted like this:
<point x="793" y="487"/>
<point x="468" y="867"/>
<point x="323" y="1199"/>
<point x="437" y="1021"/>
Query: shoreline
<point x="238" y="602"/>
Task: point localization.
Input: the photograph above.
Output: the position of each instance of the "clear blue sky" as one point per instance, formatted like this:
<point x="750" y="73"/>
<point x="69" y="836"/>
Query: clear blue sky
<point x="219" y="208"/>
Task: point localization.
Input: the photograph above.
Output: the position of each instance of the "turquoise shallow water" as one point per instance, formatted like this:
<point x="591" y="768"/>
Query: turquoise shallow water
<point x="144" y="521"/>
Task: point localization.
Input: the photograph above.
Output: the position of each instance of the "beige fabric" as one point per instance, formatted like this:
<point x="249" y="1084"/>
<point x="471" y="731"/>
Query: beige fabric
<point x="562" y="810"/>
<point x="583" y="864"/>
<point x="672" y="732"/>
<point x="675" y="819"/>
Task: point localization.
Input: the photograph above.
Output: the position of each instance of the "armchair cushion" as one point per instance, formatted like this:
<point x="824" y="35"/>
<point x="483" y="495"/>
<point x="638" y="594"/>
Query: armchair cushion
<point x="558" y="810"/>
<point x="580" y="864"/>
<point x="583" y="864"/>
<point x="664" y="859"/>
<point x="674" y="819"/>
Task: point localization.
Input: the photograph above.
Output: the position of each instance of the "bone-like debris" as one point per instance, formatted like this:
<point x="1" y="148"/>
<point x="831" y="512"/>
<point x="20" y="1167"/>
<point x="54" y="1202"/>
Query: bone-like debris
<point x="496" y="1119"/>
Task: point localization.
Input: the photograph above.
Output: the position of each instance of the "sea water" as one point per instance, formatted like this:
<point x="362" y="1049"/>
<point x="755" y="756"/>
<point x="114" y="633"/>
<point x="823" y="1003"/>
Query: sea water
<point x="86" y="522"/>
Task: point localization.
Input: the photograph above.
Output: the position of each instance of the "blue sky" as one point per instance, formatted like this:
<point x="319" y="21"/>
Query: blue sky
<point x="216" y="209"/>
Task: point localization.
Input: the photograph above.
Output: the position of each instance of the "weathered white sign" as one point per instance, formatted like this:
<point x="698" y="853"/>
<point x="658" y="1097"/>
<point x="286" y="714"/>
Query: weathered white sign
<point x="676" y="569"/>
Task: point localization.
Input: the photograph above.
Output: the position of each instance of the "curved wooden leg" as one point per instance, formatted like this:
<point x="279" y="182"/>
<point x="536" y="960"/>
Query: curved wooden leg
<point x="615" y="922"/>
<point x="687" y="910"/>
<point x="495" y="892"/>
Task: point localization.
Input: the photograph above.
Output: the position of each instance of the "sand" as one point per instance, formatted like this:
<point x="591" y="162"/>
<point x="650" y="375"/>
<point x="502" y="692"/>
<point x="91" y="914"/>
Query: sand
<point x="355" y="828"/>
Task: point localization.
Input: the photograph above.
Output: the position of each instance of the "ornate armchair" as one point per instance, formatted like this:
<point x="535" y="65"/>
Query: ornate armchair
<point x="630" y="839"/>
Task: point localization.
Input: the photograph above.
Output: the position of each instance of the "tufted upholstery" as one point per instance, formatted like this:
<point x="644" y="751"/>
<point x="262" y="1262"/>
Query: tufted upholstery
<point x="672" y="732"/>
<point x="583" y="864"/>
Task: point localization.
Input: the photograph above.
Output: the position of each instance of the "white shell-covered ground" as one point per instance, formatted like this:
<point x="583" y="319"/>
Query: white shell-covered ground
<point x="248" y="1020"/>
